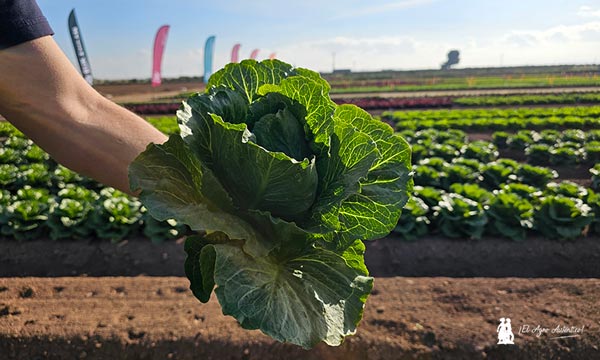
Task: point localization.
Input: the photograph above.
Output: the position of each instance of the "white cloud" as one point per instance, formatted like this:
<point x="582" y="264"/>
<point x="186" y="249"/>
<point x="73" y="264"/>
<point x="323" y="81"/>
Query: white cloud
<point x="520" y="39"/>
<point x="573" y="44"/>
<point x="351" y="52"/>
<point x="562" y="44"/>
<point x="560" y="33"/>
<point x="569" y="44"/>
<point x="588" y="11"/>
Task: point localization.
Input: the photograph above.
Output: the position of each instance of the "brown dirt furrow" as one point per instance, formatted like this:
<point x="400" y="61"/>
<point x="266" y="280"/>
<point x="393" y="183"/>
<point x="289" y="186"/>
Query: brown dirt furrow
<point x="428" y="318"/>
<point x="387" y="257"/>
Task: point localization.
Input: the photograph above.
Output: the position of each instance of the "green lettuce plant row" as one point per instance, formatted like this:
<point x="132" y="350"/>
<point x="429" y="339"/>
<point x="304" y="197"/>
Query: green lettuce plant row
<point x="546" y="147"/>
<point x="282" y="186"/>
<point x="73" y="215"/>
<point x="552" y="147"/>
<point x="41" y="199"/>
<point x="561" y="211"/>
<point x="76" y="212"/>
<point x="471" y="114"/>
<point x="508" y="191"/>
<point x="496" y="119"/>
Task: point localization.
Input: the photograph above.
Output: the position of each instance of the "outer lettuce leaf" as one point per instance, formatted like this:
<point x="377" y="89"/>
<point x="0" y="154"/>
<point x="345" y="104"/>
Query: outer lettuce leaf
<point x="373" y="212"/>
<point x="175" y="185"/>
<point x="224" y="102"/>
<point x="199" y="271"/>
<point x="352" y="155"/>
<point x="249" y="75"/>
<point x="313" y="297"/>
<point x="285" y="238"/>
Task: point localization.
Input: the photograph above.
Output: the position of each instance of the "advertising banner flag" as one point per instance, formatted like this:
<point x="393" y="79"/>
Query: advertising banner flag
<point x="160" y="41"/>
<point x="209" y="49"/>
<point x="82" y="58"/>
<point x="254" y="54"/>
<point x="235" y="52"/>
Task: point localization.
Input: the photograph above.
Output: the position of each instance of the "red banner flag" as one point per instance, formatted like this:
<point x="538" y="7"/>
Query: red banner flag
<point x="159" y="47"/>
<point x="254" y="54"/>
<point x="235" y="53"/>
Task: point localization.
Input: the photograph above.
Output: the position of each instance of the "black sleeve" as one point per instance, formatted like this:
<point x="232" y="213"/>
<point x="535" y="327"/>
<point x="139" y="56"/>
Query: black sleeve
<point x="20" y="21"/>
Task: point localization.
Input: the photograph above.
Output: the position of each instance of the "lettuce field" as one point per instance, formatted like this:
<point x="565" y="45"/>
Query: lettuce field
<point x="275" y="200"/>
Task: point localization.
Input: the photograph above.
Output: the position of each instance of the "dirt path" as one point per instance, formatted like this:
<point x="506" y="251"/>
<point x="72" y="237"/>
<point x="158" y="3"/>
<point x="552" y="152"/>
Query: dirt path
<point x="145" y="92"/>
<point x="157" y="318"/>
<point x="146" y="97"/>
<point x="388" y="257"/>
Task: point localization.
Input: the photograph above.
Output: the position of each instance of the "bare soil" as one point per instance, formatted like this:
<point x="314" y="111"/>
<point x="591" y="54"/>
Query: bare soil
<point x="123" y="93"/>
<point x="488" y="257"/>
<point x="431" y="256"/>
<point x="405" y="318"/>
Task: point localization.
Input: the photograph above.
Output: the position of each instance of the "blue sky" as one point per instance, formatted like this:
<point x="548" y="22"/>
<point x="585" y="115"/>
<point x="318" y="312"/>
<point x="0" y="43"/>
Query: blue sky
<point x="364" y="35"/>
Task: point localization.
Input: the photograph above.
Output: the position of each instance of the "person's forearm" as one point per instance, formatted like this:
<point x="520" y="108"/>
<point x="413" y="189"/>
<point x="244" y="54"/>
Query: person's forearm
<point x="43" y="95"/>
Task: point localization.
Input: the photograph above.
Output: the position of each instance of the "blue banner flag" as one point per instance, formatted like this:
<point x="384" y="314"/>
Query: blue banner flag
<point x="209" y="49"/>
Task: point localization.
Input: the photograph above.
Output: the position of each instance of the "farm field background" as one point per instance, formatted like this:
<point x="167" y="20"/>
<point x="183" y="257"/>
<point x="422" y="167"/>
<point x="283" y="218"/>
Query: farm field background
<point x="506" y="169"/>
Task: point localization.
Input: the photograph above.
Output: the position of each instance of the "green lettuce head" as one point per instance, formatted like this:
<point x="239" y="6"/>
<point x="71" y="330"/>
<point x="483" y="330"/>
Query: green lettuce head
<point x="282" y="185"/>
